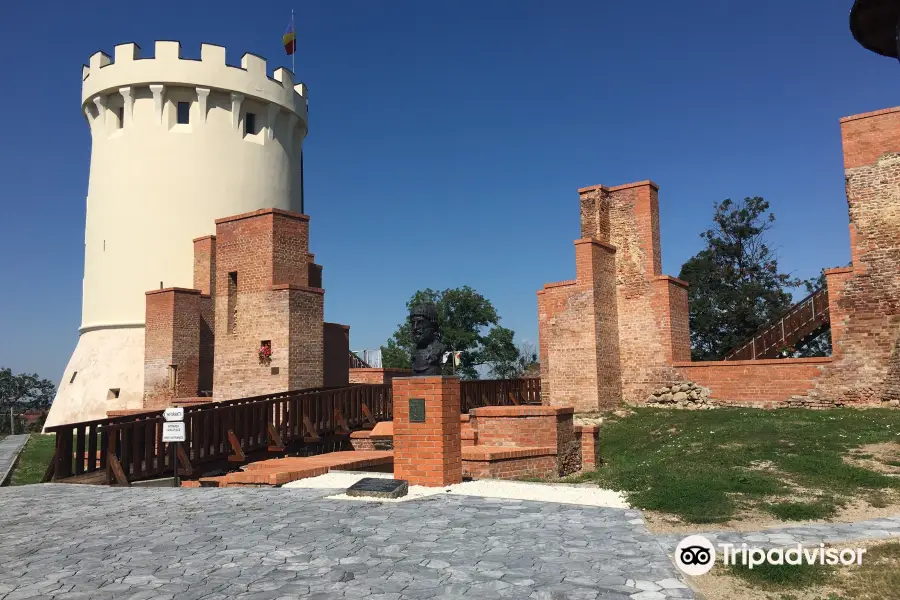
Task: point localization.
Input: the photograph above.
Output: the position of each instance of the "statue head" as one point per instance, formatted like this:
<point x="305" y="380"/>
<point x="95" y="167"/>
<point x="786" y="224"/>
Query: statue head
<point x="423" y="318"/>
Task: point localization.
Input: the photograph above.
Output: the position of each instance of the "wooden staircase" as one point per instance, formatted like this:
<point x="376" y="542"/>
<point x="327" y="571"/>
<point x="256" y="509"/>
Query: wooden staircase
<point x="801" y="323"/>
<point x="357" y="363"/>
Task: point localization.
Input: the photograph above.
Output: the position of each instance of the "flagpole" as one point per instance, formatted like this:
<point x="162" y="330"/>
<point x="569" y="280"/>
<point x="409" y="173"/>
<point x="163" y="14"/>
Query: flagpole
<point x="294" y="70"/>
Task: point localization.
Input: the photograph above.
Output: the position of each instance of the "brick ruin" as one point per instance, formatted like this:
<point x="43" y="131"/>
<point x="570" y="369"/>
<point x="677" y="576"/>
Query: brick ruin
<point x="255" y="283"/>
<point x="620" y="330"/>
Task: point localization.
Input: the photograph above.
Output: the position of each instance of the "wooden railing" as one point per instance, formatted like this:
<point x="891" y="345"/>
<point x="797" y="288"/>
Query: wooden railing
<point x="787" y="331"/>
<point x="131" y="448"/>
<point x="357" y="363"/>
<point x="499" y="392"/>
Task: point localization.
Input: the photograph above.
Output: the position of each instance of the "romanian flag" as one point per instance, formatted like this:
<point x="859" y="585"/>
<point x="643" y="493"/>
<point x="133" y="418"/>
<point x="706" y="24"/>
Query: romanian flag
<point x="289" y="38"/>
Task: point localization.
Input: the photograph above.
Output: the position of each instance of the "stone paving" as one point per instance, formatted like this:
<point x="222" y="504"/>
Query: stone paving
<point x="10" y="446"/>
<point x="70" y="542"/>
<point x="809" y="535"/>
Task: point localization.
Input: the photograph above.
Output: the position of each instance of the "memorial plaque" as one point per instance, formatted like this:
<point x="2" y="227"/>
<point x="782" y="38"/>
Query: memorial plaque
<point x="417" y="410"/>
<point x="376" y="487"/>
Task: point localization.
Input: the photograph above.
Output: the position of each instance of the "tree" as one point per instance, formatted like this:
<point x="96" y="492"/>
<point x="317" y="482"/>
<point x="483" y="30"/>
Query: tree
<point x="22" y="392"/>
<point x="469" y="324"/>
<point x="735" y="285"/>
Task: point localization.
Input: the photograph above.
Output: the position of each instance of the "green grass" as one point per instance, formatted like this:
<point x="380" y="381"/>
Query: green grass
<point x="699" y="465"/>
<point x="780" y="577"/>
<point x="34" y="460"/>
<point x="803" y="511"/>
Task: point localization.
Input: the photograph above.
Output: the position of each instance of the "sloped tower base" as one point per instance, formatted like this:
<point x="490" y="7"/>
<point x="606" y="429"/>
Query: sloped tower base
<point x="106" y="363"/>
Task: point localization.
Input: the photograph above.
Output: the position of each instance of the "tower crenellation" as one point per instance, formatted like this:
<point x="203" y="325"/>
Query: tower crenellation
<point x="104" y="75"/>
<point x="176" y="143"/>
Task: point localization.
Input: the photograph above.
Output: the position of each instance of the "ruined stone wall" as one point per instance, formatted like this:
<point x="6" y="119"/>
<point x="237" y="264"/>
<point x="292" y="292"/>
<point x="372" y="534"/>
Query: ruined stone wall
<point x="578" y="333"/>
<point x="262" y="296"/>
<point x="171" y="346"/>
<point x="651" y="317"/>
<point x="865" y="300"/>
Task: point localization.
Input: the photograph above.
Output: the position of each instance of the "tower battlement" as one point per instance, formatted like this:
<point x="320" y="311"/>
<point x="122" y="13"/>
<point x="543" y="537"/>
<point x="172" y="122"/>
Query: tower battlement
<point x="103" y="75"/>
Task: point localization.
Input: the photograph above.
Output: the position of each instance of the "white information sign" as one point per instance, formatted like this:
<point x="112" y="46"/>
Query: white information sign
<point x="174" y="414"/>
<point x="173" y="432"/>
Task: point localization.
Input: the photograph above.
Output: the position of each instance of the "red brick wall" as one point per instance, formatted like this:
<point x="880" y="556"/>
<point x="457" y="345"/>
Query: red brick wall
<point x="523" y="426"/>
<point x="836" y="280"/>
<point x="172" y="338"/>
<point x="207" y="308"/>
<point x="315" y="275"/>
<point x="205" y="281"/>
<point x="587" y="438"/>
<point x="645" y="334"/>
<point x="205" y="265"/>
<point x="428" y="453"/>
<point x="768" y="383"/>
<point x="336" y="350"/>
<point x="307" y="344"/>
<point x="542" y="467"/>
<point x="866" y="369"/>
<point x="578" y="337"/>
<point x="269" y="251"/>
<point x="377" y="376"/>
<point x="867" y="136"/>
<point x="670" y="306"/>
<point x="527" y="427"/>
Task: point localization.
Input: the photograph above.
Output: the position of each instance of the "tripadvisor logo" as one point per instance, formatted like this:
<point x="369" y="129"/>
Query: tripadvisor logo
<point x="696" y="555"/>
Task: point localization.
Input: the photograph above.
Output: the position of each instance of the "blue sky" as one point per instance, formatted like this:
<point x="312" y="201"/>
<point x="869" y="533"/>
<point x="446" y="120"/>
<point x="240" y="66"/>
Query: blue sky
<point x="447" y="139"/>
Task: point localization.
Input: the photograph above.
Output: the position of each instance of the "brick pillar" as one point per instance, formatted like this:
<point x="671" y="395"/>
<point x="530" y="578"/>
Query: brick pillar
<point x="578" y="330"/>
<point x="205" y="265"/>
<point x="670" y="305"/>
<point x="171" y="346"/>
<point x="835" y="280"/>
<point x="428" y="453"/>
<point x="205" y="281"/>
<point x="263" y="296"/>
<point x="588" y="435"/>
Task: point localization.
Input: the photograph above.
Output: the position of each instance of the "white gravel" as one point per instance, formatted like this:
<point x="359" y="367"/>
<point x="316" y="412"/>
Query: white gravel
<point x="587" y="495"/>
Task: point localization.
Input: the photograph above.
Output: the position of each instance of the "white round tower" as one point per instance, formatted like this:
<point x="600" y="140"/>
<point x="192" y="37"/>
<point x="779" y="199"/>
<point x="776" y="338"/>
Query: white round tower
<point x="176" y="144"/>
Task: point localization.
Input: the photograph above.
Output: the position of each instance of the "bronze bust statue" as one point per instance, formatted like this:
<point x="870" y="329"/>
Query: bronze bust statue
<point x="426" y="358"/>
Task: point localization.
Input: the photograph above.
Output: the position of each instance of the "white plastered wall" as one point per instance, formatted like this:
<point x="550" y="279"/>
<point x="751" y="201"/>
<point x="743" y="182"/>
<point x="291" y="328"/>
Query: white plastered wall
<point x="155" y="185"/>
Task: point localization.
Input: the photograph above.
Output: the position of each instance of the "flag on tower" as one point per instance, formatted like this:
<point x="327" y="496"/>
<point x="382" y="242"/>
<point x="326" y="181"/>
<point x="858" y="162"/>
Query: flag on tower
<point x="290" y="38"/>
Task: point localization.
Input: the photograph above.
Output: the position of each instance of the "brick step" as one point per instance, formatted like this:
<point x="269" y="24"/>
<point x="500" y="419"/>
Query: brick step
<point x="279" y="471"/>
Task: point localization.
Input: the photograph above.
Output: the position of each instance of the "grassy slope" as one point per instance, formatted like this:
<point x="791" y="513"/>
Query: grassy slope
<point x="696" y="464"/>
<point x="34" y="460"/>
<point x="877" y="578"/>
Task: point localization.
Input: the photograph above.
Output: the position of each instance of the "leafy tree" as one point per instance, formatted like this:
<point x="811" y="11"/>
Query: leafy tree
<point x="22" y="392"/>
<point x="394" y="356"/>
<point x="469" y="323"/>
<point x="735" y="285"/>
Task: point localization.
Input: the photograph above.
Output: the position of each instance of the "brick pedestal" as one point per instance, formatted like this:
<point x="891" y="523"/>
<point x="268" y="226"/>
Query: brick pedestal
<point x="587" y="435"/>
<point x="427" y="453"/>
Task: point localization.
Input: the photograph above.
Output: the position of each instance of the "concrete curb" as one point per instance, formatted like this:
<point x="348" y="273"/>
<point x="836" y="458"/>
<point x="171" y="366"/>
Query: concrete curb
<point x="10" y="448"/>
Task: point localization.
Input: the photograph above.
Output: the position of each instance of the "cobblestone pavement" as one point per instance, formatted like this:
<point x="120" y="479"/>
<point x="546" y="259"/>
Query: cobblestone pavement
<point x="808" y="535"/>
<point x="9" y="450"/>
<point x="71" y="542"/>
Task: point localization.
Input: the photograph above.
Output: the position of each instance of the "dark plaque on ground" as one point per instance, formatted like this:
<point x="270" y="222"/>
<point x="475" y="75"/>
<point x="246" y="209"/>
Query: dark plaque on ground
<point x="376" y="487"/>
